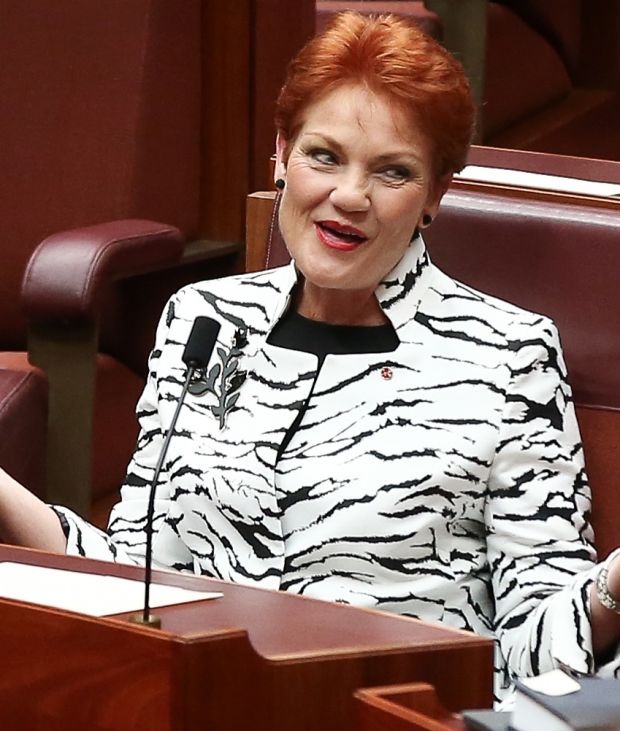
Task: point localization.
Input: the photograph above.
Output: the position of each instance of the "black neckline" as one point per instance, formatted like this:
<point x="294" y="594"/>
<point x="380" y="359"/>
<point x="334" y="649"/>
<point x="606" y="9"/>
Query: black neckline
<point x="296" y="332"/>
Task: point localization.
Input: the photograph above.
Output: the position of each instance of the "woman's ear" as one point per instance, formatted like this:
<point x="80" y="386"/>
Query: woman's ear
<point x="280" y="166"/>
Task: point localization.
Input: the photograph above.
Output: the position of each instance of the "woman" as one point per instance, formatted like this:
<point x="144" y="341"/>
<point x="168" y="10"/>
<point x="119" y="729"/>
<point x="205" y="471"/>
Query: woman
<point x="368" y="431"/>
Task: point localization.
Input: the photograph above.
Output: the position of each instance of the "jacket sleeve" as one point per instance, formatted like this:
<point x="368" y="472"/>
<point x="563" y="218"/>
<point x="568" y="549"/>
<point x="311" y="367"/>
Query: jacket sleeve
<point x="125" y="539"/>
<point x="539" y="539"/>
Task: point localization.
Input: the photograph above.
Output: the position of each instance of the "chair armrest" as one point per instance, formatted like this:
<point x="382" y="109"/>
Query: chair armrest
<point x="68" y="271"/>
<point x="23" y="425"/>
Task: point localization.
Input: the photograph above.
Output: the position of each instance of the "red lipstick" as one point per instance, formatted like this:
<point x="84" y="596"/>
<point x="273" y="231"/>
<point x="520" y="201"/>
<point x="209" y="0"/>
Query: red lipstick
<point x="339" y="236"/>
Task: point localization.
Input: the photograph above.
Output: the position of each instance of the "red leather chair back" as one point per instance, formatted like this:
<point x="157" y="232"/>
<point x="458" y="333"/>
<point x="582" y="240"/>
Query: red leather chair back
<point x="559" y="259"/>
<point x="23" y="426"/>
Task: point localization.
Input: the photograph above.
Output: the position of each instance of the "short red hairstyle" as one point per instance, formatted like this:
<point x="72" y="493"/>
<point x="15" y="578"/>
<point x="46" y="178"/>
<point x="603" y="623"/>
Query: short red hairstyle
<point x="394" y="59"/>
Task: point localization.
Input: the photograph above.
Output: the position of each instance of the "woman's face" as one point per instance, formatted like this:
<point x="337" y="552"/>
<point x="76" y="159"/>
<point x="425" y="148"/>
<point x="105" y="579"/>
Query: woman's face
<point x="358" y="181"/>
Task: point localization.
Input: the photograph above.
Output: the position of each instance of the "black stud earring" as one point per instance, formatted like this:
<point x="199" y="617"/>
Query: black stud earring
<point x="427" y="219"/>
<point x="280" y="183"/>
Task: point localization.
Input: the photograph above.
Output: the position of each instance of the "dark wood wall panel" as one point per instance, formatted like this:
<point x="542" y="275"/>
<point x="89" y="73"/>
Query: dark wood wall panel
<point x="281" y="28"/>
<point x="226" y="35"/>
<point x="246" y="47"/>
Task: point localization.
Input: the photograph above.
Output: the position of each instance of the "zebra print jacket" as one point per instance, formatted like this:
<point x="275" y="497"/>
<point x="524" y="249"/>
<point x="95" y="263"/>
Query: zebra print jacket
<point x="443" y="480"/>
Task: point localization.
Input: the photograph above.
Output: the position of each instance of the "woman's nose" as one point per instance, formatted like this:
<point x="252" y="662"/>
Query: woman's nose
<point x="351" y="192"/>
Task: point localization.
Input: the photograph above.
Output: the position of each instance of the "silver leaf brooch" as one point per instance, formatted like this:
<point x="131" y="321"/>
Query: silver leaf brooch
<point x="222" y="379"/>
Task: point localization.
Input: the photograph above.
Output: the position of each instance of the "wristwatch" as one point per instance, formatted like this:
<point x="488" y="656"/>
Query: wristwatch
<point x="603" y="594"/>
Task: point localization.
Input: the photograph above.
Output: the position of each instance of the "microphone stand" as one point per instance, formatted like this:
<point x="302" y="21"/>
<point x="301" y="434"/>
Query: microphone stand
<point x="152" y="620"/>
<point x="196" y="355"/>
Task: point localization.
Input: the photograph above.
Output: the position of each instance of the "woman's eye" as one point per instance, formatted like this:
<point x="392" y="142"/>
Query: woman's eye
<point x="395" y="174"/>
<point x="324" y="157"/>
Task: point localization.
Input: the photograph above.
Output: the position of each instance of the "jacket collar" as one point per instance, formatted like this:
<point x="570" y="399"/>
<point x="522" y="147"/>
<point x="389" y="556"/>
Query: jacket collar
<point x="399" y="294"/>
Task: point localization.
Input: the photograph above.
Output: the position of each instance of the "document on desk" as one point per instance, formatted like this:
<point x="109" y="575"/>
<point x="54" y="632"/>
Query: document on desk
<point x="90" y="594"/>
<point x="542" y="181"/>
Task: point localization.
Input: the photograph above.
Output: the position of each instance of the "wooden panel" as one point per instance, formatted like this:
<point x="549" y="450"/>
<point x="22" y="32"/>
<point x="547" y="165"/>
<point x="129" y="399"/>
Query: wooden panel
<point x="246" y="47"/>
<point x="254" y="658"/>
<point x="226" y="117"/>
<point x="81" y="671"/>
<point x="280" y="29"/>
<point x="259" y="214"/>
<point x="412" y="707"/>
<point x="543" y="162"/>
<point x="605" y="171"/>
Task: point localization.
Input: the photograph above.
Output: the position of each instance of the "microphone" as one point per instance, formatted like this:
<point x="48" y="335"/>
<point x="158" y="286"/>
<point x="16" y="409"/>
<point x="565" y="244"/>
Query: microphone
<point x="196" y="355"/>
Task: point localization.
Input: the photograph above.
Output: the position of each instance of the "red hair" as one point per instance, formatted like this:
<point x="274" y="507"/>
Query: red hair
<point x="393" y="59"/>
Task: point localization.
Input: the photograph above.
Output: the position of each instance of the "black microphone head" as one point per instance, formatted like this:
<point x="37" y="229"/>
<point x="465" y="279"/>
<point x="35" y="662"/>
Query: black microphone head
<point x="201" y="342"/>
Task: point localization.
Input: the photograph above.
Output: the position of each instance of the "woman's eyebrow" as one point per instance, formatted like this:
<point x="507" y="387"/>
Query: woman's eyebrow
<point x="324" y="137"/>
<point x="396" y="156"/>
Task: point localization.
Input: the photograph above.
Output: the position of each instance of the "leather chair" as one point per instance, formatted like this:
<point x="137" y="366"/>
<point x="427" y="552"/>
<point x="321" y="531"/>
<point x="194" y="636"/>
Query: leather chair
<point x="23" y="426"/>
<point x="556" y="257"/>
<point x="92" y="297"/>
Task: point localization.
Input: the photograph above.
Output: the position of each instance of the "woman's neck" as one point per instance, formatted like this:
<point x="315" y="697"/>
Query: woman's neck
<point x="338" y="307"/>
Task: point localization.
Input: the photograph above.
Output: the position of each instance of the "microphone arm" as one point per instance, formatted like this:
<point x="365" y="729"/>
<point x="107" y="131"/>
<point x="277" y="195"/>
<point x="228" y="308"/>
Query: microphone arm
<point x="196" y="355"/>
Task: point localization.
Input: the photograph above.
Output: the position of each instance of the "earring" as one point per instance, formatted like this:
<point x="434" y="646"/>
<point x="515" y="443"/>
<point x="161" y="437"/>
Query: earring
<point x="427" y="219"/>
<point x="280" y="183"/>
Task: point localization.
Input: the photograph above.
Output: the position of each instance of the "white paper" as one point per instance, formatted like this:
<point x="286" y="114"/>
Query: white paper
<point x="542" y="181"/>
<point x="555" y="682"/>
<point x="89" y="594"/>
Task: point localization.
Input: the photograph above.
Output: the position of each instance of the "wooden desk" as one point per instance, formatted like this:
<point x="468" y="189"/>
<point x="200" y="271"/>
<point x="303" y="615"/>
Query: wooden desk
<point x="413" y="707"/>
<point x="596" y="171"/>
<point x="254" y="659"/>
<point x="607" y="171"/>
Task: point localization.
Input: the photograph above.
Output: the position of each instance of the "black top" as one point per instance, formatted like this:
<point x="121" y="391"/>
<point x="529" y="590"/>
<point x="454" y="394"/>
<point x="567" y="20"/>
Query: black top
<point x="296" y="332"/>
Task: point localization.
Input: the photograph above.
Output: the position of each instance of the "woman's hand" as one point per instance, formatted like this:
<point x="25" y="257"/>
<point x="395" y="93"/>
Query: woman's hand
<point x="605" y="622"/>
<point x="27" y="521"/>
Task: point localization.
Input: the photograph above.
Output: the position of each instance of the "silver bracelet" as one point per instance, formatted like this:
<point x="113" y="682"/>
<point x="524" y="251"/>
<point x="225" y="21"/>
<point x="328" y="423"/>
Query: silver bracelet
<point x="602" y="592"/>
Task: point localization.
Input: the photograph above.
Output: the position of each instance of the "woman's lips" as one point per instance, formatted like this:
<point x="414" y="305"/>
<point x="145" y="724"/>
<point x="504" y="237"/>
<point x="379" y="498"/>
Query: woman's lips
<point x="339" y="236"/>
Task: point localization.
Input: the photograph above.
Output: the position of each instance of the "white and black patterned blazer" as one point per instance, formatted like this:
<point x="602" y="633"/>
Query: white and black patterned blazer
<point x="443" y="480"/>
